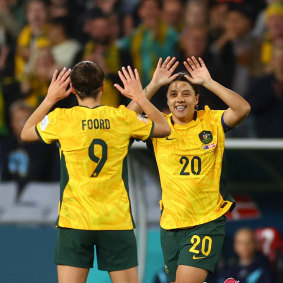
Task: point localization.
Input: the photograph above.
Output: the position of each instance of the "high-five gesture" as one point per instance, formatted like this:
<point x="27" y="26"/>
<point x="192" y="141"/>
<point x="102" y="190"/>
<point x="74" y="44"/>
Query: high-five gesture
<point x="57" y="88"/>
<point x="198" y="71"/>
<point x="131" y="81"/>
<point x="162" y="76"/>
<point x="133" y="90"/>
<point x="163" y="72"/>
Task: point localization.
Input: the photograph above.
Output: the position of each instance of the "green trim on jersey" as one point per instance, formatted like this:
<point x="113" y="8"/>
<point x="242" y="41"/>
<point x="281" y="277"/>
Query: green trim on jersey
<point x="40" y="138"/>
<point x="152" y="128"/>
<point x="64" y="179"/>
<point x="223" y="186"/>
<point x="125" y="179"/>
<point x="91" y="107"/>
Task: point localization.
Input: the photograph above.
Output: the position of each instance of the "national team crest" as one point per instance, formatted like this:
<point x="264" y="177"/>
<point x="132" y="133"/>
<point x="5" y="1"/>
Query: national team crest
<point x="206" y="137"/>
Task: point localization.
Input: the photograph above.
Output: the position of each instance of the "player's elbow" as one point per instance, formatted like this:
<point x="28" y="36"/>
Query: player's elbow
<point x="245" y="110"/>
<point x="24" y="136"/>
<point x="28" y="135"/>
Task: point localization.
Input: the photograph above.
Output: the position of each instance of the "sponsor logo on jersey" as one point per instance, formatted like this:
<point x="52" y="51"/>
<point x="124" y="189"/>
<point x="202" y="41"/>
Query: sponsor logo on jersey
<point x="206" y="137"/>
<point x="198" y="257"/>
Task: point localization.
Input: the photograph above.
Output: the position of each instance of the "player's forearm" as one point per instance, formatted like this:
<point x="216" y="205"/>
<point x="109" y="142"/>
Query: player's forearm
<point x="161" y="127"/>
<point x="148" y="92"/>
<point x="239" y="108"/>
<point x="28" y="132"/>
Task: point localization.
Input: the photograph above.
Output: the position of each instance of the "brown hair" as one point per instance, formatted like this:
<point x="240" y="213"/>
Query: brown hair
<point x="87" y="79"/>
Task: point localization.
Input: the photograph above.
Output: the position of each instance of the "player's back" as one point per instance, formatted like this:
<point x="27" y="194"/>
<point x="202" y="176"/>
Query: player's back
<point x="93" y="146"/>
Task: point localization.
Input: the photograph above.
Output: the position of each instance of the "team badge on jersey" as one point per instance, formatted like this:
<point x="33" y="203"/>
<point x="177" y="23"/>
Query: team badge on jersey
<point x="142" y="118"/>
<point x="206" y="137"/>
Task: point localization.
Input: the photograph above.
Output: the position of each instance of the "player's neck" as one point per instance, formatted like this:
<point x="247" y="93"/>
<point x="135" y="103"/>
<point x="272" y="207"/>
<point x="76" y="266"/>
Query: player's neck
<point x="89" y="102"/>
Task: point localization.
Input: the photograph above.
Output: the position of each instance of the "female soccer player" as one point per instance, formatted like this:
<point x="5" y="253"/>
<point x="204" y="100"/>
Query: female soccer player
<point x="189" y="162"/>
<point x="94" y="139"/>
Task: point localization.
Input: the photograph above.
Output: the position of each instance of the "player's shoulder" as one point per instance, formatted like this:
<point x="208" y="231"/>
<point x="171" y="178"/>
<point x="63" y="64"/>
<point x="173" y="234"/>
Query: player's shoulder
<point x="210" y="113"/>
<point x="122" y="110"/>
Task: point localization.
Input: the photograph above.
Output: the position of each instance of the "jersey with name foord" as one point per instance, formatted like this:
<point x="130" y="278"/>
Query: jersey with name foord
<point x="189" y="163"/>
<point x="94" y="143"/>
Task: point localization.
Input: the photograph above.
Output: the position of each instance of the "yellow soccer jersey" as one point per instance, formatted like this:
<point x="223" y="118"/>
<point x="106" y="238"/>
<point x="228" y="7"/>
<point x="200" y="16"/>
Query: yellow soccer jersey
<point x="94" y="144"/>
<point x="189" y="163"/>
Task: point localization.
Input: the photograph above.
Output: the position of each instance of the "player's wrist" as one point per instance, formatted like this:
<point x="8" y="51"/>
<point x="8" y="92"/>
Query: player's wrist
<point x="208" y="83"/>
<point x="49" y="101"/>
<point x="140" y="99"/>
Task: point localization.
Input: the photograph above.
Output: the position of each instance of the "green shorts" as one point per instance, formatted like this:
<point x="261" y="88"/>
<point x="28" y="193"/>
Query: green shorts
<point x="115" y="250"/>
<point x="199" y="246"/>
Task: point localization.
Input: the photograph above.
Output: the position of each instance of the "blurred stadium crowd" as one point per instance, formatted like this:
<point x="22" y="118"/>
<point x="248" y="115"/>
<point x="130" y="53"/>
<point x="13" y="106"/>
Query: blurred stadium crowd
<point x="241" y="42"/>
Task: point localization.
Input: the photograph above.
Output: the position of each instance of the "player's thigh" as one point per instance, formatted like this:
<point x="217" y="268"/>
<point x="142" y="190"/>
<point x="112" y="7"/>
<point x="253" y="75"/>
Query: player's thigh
<point x="116" y="250"/>
<point x="125" y="276"/>
<point x="190" y="274"/>
<point x="198" y="247"/>
<point x="75" y="248"/>
<point x="71" y="274"/>
<point x="170" y="244"/>
<point x="201" y="248"/>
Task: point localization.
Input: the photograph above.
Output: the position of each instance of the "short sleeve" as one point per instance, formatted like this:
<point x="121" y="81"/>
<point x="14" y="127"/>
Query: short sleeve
<point x="48" y="129"/>
<point x="140" y="127"/>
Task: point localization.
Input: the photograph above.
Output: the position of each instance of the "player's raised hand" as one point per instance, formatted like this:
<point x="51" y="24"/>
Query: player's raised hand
<point x="198" y="71"/>
<point x="131" y="81"/>
<point x="57" y="89"/>
<point x="164" y="70"/>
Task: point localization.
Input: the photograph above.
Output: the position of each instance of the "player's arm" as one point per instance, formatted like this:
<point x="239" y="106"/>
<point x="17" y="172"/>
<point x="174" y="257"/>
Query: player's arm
<point x="161" y="76"/>
<point x="238" y="109"/>
<point x="133" y="90"/>
<point x="56" y="91"/>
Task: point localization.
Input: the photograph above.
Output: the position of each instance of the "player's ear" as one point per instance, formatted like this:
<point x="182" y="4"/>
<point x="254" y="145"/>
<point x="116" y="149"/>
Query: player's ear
<point x="197" y="98"/>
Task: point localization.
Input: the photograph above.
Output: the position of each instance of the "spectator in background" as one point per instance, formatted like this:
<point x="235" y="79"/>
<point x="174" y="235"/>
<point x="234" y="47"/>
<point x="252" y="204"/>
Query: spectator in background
<point x="20" y="161"/>
<point x="251" y="266"/>
<point x="217" y="12"/>
<point x="33" y="35"/>
<point x="152" y="39"/>
<point x="237" y="43"/>
<point x="63" y="48"/>
<point x="32" y="44"/>
<point x="273" y="35"/>
<point x="103" y="50"/>
<point x="172" y="14"/>
<point x="194" y="42"/>
<point x="37" y="75"/>
<point x="12" y="16"/>
<point x="196" y="13"/>
<point x="237" y="32"/>
<point x="116" y="13"/>
<point x="266" y="98"/>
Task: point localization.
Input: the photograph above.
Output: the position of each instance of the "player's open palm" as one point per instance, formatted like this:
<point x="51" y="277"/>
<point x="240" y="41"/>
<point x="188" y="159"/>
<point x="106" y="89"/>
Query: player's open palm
<point x="58" y="87"/>
<point x="198" y="71"/>
<point x="131" y="81"/>
<point x="163" y="72"/>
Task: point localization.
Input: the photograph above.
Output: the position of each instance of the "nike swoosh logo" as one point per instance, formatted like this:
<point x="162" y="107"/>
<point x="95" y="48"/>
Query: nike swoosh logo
<point x="198" y="257"/>
<point x="170" y="139"/>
